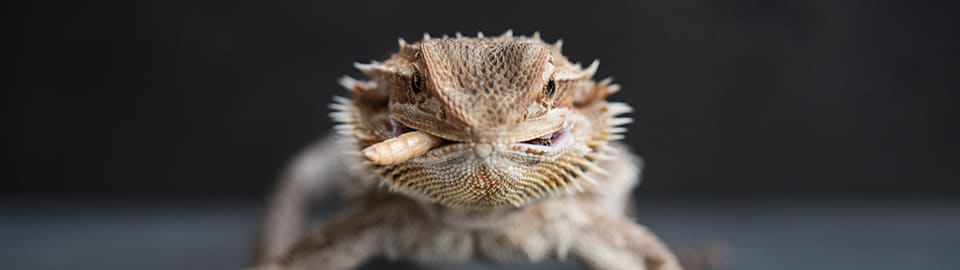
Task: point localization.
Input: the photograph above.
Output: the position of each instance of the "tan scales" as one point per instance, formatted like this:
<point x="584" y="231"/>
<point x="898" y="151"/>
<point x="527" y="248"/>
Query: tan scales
<point x="468" y="148"/>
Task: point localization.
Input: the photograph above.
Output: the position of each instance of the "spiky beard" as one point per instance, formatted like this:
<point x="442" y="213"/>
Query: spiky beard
<point x="454" y="175"/>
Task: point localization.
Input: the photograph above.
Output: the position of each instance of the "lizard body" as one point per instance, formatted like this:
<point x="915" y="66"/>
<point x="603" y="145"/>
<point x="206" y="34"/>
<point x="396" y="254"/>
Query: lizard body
<point x="495" y="148"/>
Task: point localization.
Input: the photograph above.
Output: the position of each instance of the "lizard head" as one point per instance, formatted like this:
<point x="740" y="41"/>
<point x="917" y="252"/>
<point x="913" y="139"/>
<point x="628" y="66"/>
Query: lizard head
<point x="517" y="120"/>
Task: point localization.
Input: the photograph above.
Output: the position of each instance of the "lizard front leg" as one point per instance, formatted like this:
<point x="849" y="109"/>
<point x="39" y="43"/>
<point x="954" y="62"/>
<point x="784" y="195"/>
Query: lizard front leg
<point x="315" y="173"/>
<point x="616" y="242"/>
<point x="343" y="242"/>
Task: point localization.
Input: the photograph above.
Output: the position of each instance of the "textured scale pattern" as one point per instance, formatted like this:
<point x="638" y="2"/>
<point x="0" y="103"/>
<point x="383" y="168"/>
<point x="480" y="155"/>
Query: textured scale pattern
<point x="493" y="74"/>
<point x="490" y="148"/>
<point x="485" y="97"/>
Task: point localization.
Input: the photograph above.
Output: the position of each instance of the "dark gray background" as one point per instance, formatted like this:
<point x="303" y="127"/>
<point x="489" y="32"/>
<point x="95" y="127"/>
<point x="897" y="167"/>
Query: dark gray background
<point x="209" y="98"/>
<point x="737" y="103"/>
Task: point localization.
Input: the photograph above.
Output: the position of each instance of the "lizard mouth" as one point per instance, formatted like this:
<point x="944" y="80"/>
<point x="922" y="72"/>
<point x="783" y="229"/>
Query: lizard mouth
<point x="546" y="142"/>
<point x="550" y="140"/>
<point x="482" y="175"/>
<point x="486" y="174"/>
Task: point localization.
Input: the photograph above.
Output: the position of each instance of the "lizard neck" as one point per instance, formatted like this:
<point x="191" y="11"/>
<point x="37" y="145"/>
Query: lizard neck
<point x="473" y="219"/>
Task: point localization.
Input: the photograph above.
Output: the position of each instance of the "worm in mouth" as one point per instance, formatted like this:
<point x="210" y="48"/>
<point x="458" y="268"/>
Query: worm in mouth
<point x="409" y="143"/>
<point x="401" y="148"/>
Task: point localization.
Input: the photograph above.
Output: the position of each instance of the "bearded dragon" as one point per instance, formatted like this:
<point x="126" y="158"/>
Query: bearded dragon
<point x="468" y="148"/>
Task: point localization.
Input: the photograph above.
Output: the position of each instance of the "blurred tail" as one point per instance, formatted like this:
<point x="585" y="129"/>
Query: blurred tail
<point x="313" y="174"/>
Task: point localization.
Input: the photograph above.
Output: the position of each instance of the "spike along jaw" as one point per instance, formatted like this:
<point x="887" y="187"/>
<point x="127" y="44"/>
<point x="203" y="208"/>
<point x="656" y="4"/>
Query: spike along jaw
<point x="481" y="122"/>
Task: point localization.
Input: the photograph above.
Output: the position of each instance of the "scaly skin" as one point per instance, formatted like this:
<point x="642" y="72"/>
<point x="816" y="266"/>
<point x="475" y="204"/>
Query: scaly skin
<point x="491" y="148"/>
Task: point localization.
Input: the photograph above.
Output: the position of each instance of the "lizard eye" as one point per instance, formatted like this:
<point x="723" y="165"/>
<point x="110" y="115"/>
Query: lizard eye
<point x="551" y="88"/>
<point x="415" y="83"/>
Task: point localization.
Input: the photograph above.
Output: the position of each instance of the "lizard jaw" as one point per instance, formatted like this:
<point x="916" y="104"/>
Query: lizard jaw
<point x="550" y="142"/>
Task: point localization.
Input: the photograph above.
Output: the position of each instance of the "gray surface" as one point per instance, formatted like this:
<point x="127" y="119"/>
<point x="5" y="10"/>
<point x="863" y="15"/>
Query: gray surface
<point x="772" y="234"/>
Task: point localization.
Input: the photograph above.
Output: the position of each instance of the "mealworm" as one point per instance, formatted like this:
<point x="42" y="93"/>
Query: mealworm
<point x="401" y="148"/>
